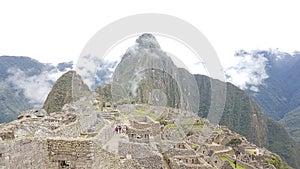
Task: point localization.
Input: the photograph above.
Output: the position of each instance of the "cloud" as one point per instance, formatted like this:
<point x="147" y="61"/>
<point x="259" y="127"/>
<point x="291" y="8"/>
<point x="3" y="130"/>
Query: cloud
<point x="105" y="71"/>
<point x="249" y="72"/>
<point x="95" y="70"/>
<point x="36" y="87"/>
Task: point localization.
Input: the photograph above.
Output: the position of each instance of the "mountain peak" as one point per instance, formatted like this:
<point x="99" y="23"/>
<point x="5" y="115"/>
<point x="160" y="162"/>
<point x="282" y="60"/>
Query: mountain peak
<point x="147" y="41"/>
<point x="65" y="90"/>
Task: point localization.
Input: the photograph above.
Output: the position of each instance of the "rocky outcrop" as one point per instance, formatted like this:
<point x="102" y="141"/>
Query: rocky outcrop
<point x="68" y="88"/>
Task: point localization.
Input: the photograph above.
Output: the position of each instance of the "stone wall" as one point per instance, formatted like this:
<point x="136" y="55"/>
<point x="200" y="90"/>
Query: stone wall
<point x="194" y="159"/>
<point x="72" y="153"/>
<point x="105" y="160"/>
<point x="153" y="162"/>
<point x="146" y="124"/>
<point x="70" y="130"/>
<point x="88" y="119"/>
<point x="137" y="150"/>
<point x="214" y="160"/>
<point x="23" y="153"/>
<point x="57" y="153"/>
<point x="144" y="153"/>
<point x="179" y="152"/>
<point x="174" y="163"/>
<point x="138" y="136"/>
<point x="240" y="163"/>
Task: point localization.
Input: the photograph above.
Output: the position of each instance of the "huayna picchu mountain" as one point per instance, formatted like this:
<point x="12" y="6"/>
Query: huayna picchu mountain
<point x="63" y="91"/>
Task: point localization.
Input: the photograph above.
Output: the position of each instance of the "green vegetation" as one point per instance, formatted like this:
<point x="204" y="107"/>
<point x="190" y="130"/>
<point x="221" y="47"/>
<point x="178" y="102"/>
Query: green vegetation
<point x="234" y="142"/>
<point x="144" y="113"/>
<point x="192" y="122"/>
<point x="30" y="135"/>
<point x="219" y="131"/>
<point x="242" y="115"/>
<point x="83" y="134"/>
<point x="162" y="121"/>
<point x="107" y="109"/>
<point x="65" y="91"/>
<point x="171" y="125"/>
<point x="9" y="139"/>
<point x="291" y="122"/>
<point x="223" y="158"/>
<point x="12" y="99"/>
<point x="125" y="116"/>
<point x="194" y="146"/>
<point x="190" y="133"/>
<point x="283" y="145"/>
<point x="197" y="128"/>
<point x="277" y="162"/>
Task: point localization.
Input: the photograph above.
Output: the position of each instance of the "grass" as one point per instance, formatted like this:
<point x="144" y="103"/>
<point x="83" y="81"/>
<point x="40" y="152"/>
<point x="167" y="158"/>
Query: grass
<point x="223" y="158"/>
<point x="171" y="125"/>
<point x="144" y="113"/>
<point x="194" y="146"/>
<point x="219" y="131"/>
<point x="125" y="116"/>
<point x="83" y="134"/>
<point x="192" y="122"/>
<point x="29" y="135"/>
<point x="8" y="139"/>
<point x="197" y="128"/>
<point x="106" y="109"/>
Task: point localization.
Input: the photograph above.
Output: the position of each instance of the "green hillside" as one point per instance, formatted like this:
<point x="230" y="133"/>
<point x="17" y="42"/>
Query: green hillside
<point x="243" y="115"/>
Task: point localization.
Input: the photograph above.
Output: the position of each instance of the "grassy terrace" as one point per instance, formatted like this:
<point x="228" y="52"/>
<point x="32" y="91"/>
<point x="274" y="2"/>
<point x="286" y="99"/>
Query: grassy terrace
<point x="191" y="124"/>
<point x="172" y="125"/>
<point x="219" y="131"/>
<point x="223" y="158"/>
<point x="144" y="113"/>
<point x="125" y="116"/>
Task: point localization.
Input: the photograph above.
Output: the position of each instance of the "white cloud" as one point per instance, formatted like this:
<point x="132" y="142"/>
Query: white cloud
<point x="249" y="72"/>
<point x="36" y="87"/>
<point x="60" y="36"/>
<point x="95" y="70"/>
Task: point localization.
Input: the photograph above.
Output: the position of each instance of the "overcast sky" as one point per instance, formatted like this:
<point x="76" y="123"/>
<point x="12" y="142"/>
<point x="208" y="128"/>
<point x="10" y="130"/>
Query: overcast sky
<point x="56" y="31"/>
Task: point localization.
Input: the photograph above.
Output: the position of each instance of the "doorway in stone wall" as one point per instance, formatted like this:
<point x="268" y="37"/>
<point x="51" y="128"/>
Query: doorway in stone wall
<point x="64" y="164"/>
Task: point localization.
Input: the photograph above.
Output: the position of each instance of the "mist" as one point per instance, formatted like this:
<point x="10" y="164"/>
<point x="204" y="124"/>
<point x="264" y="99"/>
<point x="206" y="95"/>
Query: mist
<point x="249" y="72"/>
<point x="36" y="87"/>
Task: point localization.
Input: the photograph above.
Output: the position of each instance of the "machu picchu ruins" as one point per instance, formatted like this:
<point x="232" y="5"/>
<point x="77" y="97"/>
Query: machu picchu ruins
<point x="82" y="136"/>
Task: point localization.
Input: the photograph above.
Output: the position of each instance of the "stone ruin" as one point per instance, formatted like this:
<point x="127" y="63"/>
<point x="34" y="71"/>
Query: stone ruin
<point x="77" y="137"/>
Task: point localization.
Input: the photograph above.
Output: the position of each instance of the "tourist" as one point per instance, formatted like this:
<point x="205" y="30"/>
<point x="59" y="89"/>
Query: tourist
<point x="119" y="128"/>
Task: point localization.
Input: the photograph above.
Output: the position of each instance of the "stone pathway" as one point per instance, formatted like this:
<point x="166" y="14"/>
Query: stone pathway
<point x="113" y="144"/>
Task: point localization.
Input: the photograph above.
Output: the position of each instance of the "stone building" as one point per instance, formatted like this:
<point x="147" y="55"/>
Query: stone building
<point x="138" y="136"/>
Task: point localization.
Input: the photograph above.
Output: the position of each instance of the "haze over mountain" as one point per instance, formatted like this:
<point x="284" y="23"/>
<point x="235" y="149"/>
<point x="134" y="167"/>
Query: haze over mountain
<point x="278" y="89"/>
<point x="275" y="79"/>
<point x="25" y="83"/>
